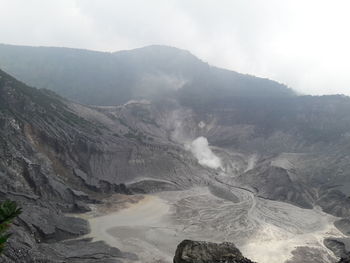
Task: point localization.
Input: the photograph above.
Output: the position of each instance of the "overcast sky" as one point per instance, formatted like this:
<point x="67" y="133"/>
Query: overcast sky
<point x="302" y="43"/>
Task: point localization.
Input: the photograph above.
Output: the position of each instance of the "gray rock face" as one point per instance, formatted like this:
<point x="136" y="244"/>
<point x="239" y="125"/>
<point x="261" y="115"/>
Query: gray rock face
<point x="340" y="247"/>
<point x="343" y="225"/>
<point x="276" y="183"/>
<point x="337" y="246"/>
<point x="41" y="144"/>
<point x="84" y="250"/>
<point x="206" y="252"/>
<point x="309" y="255"/>
<point x="57" y="157"/>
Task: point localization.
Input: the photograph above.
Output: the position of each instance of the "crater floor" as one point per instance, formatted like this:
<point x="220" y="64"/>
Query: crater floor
<point x="265" y="231"/>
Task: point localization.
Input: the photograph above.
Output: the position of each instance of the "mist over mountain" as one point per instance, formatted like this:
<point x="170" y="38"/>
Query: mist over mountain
<point x="195" y="151"/>
<point x="102" y="78"/>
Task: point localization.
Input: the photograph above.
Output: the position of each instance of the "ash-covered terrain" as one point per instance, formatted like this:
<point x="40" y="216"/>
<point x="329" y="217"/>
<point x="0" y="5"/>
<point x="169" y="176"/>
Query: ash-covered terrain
<point x="209" y="154"/>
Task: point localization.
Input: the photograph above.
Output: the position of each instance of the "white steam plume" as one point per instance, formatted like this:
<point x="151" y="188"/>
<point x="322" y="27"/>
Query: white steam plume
<point x="205" y="156"/>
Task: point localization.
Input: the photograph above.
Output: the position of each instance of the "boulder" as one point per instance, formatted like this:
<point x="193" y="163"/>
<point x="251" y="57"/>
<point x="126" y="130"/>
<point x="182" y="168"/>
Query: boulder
<point x="207" y="252"/>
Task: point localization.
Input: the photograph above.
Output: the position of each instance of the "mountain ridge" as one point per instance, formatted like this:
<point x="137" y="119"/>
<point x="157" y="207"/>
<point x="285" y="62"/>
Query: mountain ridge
<point x="91" y="77"/>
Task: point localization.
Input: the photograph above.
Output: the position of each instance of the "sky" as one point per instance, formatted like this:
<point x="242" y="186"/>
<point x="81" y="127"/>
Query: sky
<point x="304" y="44"/>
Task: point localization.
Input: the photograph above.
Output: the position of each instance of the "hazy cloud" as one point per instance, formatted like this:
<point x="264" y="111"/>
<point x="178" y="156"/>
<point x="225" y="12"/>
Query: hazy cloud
<point x="304" y="44"/>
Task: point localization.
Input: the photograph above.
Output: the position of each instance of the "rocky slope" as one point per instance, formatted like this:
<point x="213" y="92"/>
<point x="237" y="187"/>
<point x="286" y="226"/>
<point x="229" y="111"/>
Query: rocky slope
<point x="36" y="132"/>
<point x="54" y="162"/>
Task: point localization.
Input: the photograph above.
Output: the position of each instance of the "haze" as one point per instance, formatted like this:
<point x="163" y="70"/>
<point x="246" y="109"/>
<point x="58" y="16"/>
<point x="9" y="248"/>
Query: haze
<point x="304" y="44"/>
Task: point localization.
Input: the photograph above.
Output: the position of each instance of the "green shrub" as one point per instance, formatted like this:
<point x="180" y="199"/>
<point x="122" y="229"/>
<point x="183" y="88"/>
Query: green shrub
<point x="8" y="211"/>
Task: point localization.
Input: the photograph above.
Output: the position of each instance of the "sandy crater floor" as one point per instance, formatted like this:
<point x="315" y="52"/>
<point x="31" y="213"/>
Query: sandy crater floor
<point x="265" y="231"/>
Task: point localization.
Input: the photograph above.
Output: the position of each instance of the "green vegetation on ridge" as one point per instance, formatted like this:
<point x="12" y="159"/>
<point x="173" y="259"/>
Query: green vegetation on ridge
<point x="8" y="212"/>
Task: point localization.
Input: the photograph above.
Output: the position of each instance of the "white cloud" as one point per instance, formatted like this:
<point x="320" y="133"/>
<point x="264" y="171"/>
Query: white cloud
<point x="301" y="43"/>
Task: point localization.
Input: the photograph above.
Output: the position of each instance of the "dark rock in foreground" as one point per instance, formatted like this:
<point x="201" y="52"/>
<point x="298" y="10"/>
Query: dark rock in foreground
<point x="206" y="252"/>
